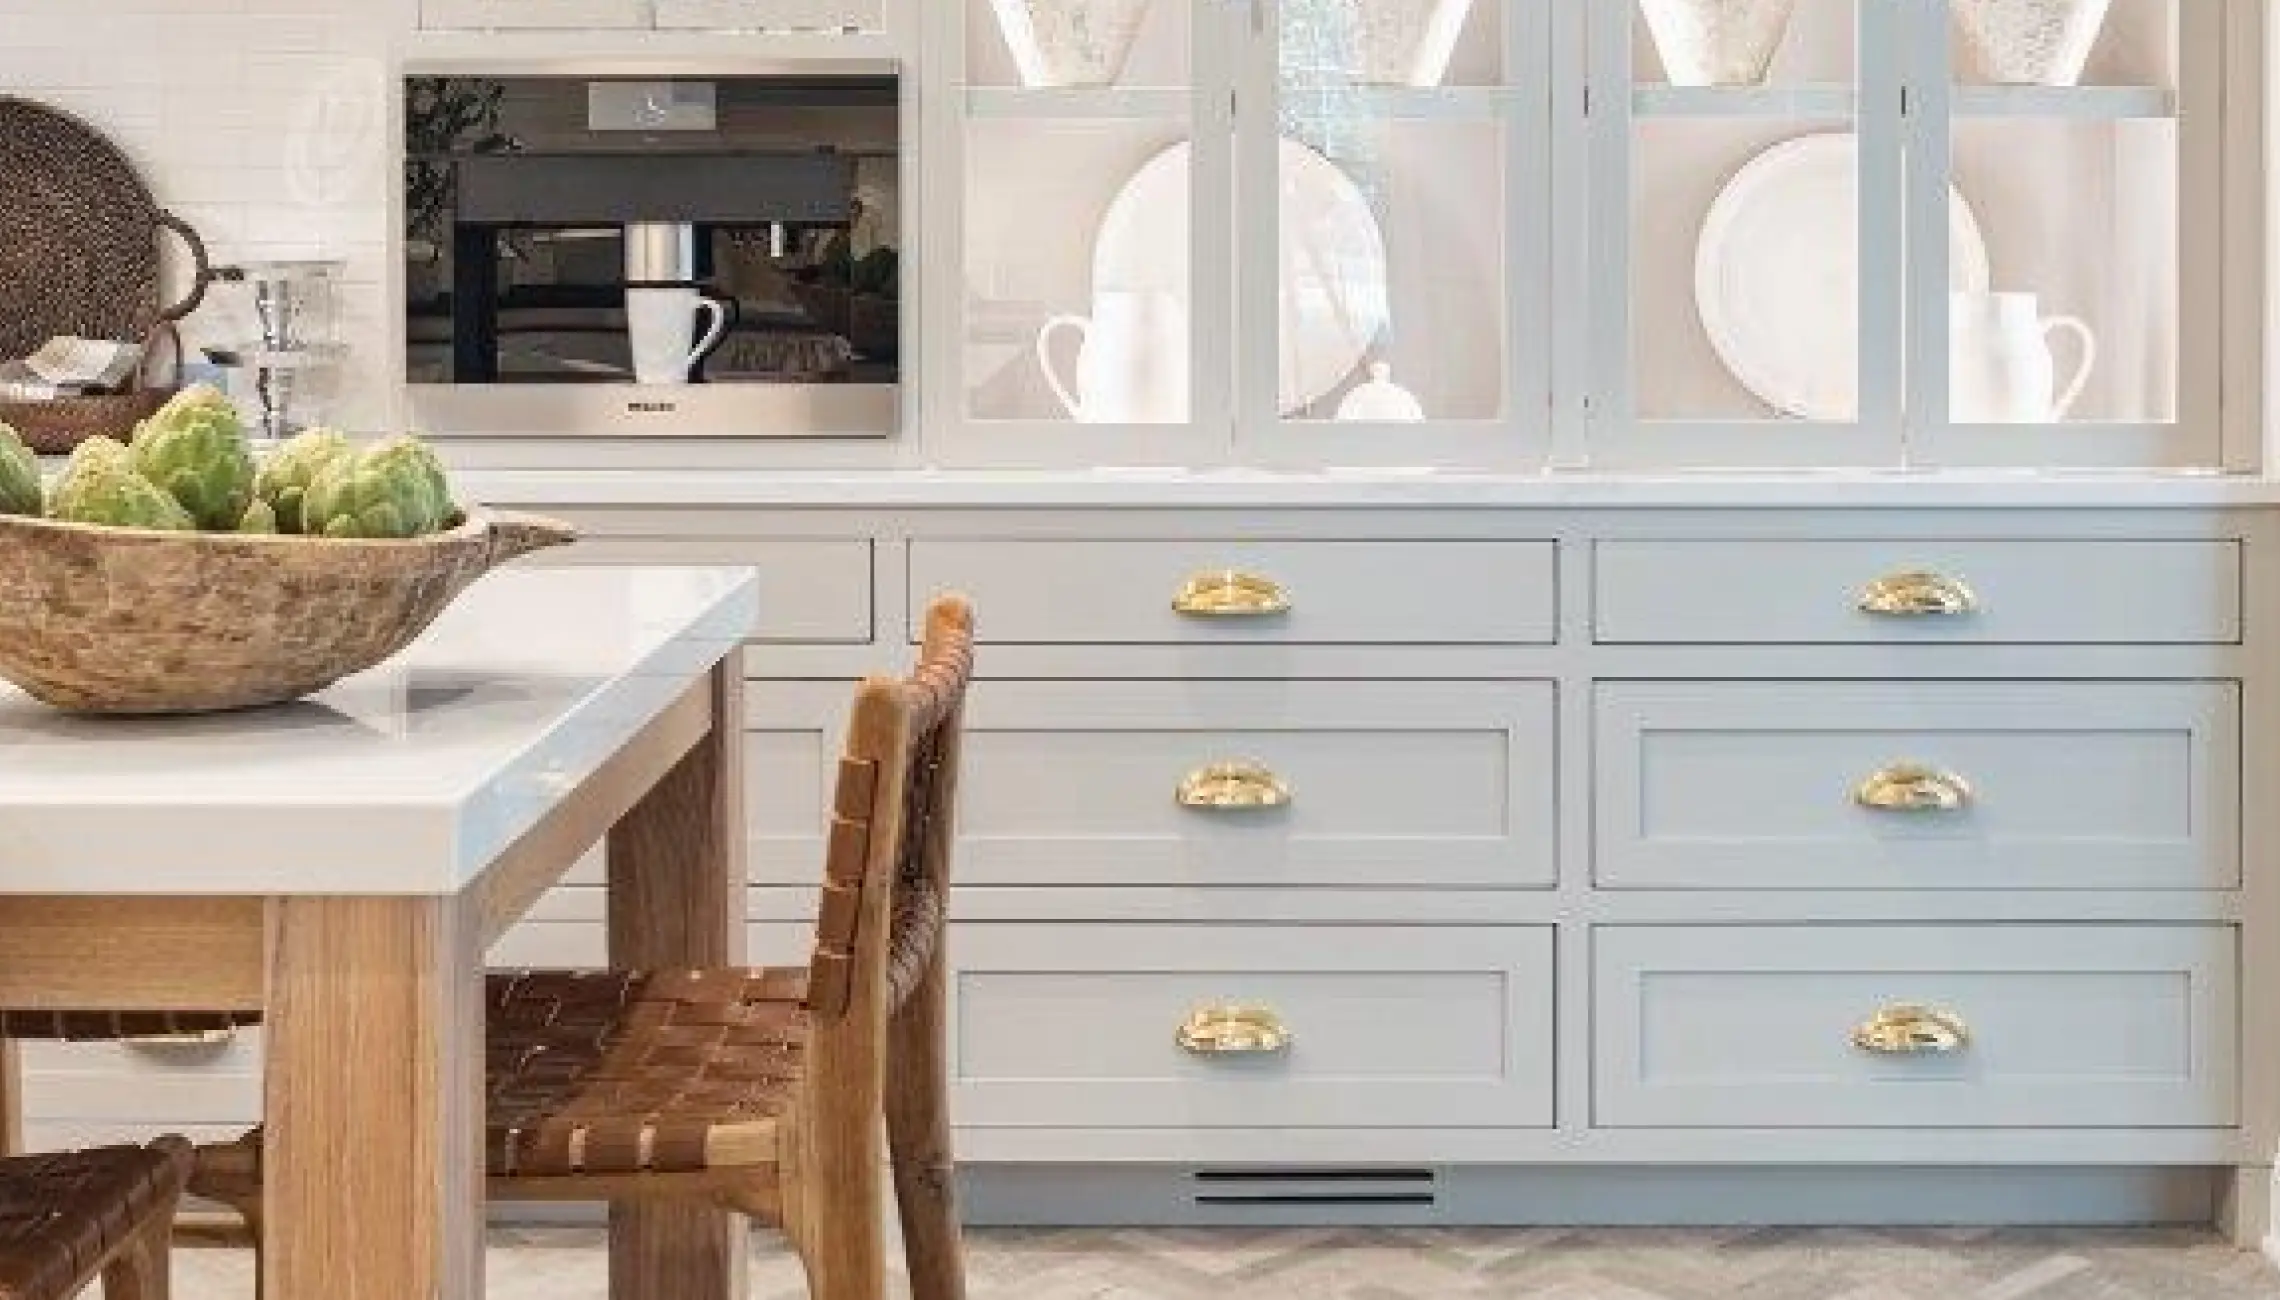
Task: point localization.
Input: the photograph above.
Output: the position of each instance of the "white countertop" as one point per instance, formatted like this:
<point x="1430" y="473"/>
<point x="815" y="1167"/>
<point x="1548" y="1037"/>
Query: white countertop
<point x="408" y="779"/>
<point x="1368" y="489"/>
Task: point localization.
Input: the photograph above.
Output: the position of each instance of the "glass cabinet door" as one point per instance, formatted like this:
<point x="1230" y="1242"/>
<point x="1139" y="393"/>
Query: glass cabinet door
<point x="1090" y="216"/>
<point x="1391" y="303"/>
<point x="1745" y="233"/>
<point x="1909" y="233"/>
<point x="2083" y="135"/>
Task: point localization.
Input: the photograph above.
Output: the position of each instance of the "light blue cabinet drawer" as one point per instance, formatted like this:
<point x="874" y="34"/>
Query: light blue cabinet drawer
<point x="1079" y="1026"/>
<point x="1916" y="785"/>
<point x="1944" y="591"/>
<point x="1985" y="1026"/>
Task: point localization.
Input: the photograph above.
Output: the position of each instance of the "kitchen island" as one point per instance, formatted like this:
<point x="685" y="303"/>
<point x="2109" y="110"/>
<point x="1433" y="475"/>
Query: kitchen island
<point x="340" y="866"/>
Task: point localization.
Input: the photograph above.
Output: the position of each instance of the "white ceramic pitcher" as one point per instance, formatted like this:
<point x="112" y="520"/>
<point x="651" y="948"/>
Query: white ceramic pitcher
<point x="2000" y="367"/>
<point x="1132" y="365"/>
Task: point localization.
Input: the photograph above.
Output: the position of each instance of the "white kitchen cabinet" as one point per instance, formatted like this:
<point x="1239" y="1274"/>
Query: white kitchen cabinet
<point x="1201" y="591"/>
<point x="1097" y="300"/>
<point x="1917" y="591"/>
<point x="773" y="15"/>
<point x="1082" y="1026"/>
<point x="1916" y="785"/>
<point x="541" y="15"/>
<point x="1861" y="260"/>
<point x="636" y="15"/>
<point x="1213" y="785"/>
<point x="1995" y="1027"/>
<point x="1565" y="251"/>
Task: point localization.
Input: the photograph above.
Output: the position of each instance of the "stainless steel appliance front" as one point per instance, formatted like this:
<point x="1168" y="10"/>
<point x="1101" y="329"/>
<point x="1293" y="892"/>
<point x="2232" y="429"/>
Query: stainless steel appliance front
<point x="635" y="253"/>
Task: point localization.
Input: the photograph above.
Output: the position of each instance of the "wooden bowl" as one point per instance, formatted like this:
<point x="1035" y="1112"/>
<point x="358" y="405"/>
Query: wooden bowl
<point x="133" y="621"/>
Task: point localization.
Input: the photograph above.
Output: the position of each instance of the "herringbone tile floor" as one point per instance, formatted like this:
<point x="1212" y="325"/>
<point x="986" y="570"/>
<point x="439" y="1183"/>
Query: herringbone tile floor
<point x="1461" y="1264"/>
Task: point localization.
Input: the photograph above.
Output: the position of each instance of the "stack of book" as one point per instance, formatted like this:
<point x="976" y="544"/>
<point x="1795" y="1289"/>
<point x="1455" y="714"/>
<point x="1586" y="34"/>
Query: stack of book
<point x="69" y="367"/>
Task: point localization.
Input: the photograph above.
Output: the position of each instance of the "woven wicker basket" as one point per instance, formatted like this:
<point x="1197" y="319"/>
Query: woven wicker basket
<point x="129" y="621"/>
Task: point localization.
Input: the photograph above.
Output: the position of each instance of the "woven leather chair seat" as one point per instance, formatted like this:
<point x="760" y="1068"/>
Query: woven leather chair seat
<point x="61" y="1216"/>
<point x="609" y="1072"/>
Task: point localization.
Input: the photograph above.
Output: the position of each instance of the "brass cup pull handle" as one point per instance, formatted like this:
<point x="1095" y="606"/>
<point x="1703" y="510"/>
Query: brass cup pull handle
<point x="1918" y="595"/>
<point x="1233" y="787"/>
<point x="1907" y="1029"/>
<point x="202" y="1038"/>
<point x="1233" y="1029"/>
<point x="1914" y="788"/>
<point x="1231" y="593"/>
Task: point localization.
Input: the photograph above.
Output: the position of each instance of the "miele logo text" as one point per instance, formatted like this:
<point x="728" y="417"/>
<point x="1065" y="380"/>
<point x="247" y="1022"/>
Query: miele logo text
<point x="652" y="408"/>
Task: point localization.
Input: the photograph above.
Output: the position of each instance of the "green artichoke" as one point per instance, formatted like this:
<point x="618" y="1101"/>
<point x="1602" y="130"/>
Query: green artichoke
<point x="19" y="475"/>
<point x="100" y="486"/>
<point x="394" y="488"/>
<point x="285" y="477"/>
<point x="195" y="449"/>
<point x="259" y="518"/>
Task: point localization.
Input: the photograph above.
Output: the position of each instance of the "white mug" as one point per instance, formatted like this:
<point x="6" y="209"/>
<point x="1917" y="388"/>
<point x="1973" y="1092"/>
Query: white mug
<point x="1132" y="366"/>
<point x="659" y="323"/>
<point x="2000" y="368"/>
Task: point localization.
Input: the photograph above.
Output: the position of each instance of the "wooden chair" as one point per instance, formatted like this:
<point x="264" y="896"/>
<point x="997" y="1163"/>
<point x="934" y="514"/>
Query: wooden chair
<point x="762" y="1091"/>
<point x="65" y="1219"/>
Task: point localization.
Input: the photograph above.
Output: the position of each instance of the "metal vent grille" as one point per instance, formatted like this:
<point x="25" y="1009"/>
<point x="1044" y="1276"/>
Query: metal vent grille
<point x="1415" y="1189"/>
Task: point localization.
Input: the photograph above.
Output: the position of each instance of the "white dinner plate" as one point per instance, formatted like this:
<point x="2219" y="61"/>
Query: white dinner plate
<point x="1334" y="296"/>
<point x="1777" y="274"/>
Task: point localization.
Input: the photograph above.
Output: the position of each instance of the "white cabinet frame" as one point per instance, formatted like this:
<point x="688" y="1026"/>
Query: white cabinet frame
<point x="535" y="15"/>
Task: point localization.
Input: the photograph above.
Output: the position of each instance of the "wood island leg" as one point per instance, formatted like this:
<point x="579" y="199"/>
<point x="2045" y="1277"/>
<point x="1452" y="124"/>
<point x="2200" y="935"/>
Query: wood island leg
<point x="676" y="898"/>
<point x="11" y="1098"/>
<point x="373" y="1183"/>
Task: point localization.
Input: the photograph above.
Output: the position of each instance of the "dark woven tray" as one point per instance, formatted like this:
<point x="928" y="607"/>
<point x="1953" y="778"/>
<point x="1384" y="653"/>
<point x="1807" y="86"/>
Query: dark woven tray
<point x="79" y="236"/>
<point x="55" y="426"/>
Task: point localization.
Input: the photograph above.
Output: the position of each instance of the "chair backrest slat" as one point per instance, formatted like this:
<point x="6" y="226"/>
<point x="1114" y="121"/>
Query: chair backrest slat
<point x="913" y="791"/>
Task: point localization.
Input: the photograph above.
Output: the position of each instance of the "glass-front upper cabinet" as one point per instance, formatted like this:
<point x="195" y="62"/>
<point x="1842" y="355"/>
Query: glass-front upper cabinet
<point x="1395" y="287"/>
<point x="1924" y="233"/>
<point x="1600" y="234"/>
<point x="1304" y="232"/>
<point x="1088" y="217"/>
<point x="2080" y="148"/>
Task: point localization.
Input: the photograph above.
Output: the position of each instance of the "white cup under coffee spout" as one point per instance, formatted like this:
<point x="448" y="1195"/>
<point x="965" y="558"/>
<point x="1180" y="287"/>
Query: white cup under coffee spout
<point x="1133" y="364"/>
<point x="2000" y="368"/>
<point x="659" y="322"/>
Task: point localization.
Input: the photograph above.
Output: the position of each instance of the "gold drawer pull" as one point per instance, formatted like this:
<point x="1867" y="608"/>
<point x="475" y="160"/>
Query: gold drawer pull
<point x="1233" y="787"/>
<point x="1231" y="594"/>
<point x="1918" y="595"/>
<point x="194" y="1038"/>
<point x="1914" y="788"/>
<point x="1233" y="1029"/>
<point x="1906" y="1029"/>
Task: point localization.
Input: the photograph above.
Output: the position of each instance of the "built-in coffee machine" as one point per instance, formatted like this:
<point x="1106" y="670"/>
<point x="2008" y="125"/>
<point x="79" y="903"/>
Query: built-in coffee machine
<point x="684" y="256"/>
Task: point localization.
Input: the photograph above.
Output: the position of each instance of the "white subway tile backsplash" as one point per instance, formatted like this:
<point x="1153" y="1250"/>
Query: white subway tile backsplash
<point x="264" y="123"/>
